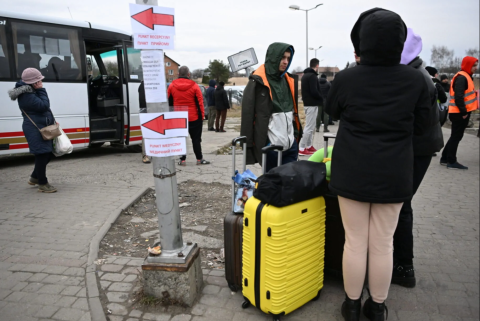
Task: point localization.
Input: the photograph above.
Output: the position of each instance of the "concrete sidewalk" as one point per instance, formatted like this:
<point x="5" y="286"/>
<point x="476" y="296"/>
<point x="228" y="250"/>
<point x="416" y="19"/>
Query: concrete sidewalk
<point x="45" y="241"/>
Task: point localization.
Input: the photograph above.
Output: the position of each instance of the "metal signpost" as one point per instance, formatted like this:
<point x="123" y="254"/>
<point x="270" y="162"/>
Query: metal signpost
<point x="154" y="28"/>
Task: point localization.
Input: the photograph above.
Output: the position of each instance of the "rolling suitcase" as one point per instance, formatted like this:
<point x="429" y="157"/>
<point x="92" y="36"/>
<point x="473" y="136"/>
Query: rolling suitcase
<point x="283" y="253"/>
<point x="232" y="228"/>
<point x="335" y="233"/>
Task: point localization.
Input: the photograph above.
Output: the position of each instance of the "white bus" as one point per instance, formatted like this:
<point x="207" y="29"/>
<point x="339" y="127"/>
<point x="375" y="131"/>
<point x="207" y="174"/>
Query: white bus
<point x="92" y="75"/>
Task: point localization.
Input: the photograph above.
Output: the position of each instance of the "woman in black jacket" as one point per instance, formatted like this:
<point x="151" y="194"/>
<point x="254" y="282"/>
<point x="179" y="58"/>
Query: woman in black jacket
<point x="221" y="105"/>
<point x="34" y="103"/>
<point x="380" y="104"/>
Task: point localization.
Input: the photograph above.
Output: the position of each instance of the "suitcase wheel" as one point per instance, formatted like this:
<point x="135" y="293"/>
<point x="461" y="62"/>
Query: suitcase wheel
<point x="245" y="303"/>
<point x="232" y="287"/>
<point x="318" y="296"/>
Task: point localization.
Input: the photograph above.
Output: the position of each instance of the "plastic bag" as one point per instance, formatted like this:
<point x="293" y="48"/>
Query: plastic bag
<point x="62" y="145"/>
<point x="245" y="185"/>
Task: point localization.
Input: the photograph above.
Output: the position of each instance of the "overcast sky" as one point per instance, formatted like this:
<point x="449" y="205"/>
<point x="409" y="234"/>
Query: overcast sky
<point x="208" y="30"/>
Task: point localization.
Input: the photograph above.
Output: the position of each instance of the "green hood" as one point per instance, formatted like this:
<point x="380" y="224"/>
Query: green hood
<point x="282" y="98"/>
<point x="272" y="60"/>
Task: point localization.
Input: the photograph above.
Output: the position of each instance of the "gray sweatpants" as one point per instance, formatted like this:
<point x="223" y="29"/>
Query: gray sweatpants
<point x="309" y="130"/>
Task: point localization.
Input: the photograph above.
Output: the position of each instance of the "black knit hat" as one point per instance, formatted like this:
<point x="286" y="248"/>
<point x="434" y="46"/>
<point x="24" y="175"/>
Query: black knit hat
<point x="443" y="77"/>
<point x="432" y="71"/>
<point x="323" y="76"/>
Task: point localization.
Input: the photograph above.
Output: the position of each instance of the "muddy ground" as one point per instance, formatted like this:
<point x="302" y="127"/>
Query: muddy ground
<point x="202" y="209"/>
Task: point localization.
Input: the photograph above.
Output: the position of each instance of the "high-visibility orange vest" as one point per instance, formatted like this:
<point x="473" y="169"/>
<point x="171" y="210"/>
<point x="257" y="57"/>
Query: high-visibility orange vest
<point x="470" y="95"/>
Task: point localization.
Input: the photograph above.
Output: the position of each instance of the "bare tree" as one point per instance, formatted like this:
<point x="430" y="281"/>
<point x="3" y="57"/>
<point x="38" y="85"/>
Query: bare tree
<point x="197" y="73"/>
<point x="441" y="57"/>
<point x="474" y="52"/>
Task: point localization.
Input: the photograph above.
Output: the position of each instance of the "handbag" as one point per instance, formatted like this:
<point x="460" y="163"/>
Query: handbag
<point x="62" y="144"/>
<point x="48" y="132"/>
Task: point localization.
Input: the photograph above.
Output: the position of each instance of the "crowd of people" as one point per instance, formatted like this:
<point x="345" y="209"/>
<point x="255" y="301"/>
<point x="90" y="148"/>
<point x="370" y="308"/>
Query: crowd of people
<point x="388" y="107"/>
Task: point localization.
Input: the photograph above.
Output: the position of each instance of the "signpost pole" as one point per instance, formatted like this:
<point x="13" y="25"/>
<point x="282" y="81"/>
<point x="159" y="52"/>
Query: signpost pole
<point x="173" y="248"/>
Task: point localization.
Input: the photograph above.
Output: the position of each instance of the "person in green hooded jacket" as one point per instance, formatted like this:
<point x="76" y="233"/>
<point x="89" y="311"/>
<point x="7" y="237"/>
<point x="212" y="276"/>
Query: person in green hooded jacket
<point x="270" y="108"/>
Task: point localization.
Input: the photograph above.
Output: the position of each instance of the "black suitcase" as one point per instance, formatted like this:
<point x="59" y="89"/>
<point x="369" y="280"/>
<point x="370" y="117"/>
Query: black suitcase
<point x="233" y="229"/>
<point x="334" y="231"/>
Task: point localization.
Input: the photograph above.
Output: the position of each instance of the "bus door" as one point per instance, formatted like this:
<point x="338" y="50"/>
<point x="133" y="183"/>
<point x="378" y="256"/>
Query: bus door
<point x="108" y="111"/>
<point x="136" y="96"/>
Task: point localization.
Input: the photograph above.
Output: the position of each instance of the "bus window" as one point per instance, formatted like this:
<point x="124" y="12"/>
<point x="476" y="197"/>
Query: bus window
<point x="4" y="62"/>
<point x="134" y="65"/>
<point x="54" y="51"/>
<point x="110" y="62"/>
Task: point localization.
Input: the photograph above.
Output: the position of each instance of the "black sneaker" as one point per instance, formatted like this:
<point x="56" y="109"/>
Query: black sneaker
<point x="211" y="129"/>
<point x="456" y="165"/>
<point x="404" y="275"/>
<point x="443" y="162"/>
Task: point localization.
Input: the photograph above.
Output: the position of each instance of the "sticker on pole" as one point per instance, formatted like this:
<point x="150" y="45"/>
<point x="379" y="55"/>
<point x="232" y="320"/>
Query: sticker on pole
<point x="164" y="125"/>
<point x="166" y="147"/>
<point x="153" y="27"/>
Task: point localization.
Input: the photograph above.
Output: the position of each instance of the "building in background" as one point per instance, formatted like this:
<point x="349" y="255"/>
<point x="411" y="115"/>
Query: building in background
<point x="171" y="69"/>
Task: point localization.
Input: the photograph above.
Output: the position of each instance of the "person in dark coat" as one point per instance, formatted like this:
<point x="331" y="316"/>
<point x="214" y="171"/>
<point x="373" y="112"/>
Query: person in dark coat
<point x="311" y="99"/>
<point x="212" y="111"/>
<point x="424" y="146"/>
<point x="445" y="83"/>
<point x="34" y="103"/>
<point x="381" y="104"/>
<point x="433" y="72"/>
<point x="221" y="105"/>
<point x="463" y="100"/>
<point x="322" y="116"/>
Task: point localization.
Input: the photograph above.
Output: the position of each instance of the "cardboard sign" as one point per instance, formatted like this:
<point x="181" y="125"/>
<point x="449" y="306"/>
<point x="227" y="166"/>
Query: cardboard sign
<point x="166" y="147"/>
<point x="154" y="76"/>
<point x="164" y="125"/>
<point x="243" y="59"/>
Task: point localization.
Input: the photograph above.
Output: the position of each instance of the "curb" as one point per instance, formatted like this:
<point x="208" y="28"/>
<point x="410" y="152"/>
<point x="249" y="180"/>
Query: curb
<point x="93" y="295"/>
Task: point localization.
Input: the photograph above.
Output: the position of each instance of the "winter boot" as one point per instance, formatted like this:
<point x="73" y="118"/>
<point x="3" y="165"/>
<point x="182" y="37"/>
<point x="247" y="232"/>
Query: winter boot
<point x="351" y="309"/>
<point x="374" y="311"/>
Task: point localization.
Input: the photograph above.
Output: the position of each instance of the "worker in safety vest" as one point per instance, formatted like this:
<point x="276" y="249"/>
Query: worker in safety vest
<point x="463" y="101"/>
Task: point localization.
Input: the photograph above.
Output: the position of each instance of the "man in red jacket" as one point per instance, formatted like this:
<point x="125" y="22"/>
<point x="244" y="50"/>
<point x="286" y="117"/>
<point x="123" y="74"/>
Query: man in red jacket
<point x="184" y="92"/>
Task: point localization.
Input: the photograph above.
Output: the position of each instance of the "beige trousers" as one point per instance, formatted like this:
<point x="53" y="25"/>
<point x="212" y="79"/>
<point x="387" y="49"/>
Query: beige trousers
<point x="369" y="229"/>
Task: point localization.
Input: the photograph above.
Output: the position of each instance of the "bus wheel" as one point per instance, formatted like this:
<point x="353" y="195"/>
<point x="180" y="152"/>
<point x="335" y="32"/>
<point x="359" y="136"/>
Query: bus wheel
<point x="96" y="145"/>
<point x="135" y="148"/>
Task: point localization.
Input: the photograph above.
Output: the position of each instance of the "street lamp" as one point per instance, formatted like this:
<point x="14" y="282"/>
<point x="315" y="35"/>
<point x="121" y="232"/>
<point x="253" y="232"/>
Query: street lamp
<point x="315" y="50"/>
<point x="295" y="7"/>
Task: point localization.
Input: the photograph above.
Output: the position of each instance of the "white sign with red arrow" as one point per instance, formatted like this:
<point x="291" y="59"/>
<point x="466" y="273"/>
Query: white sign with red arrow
<point x="164" y="125"/>
<point x="153" y="27"/>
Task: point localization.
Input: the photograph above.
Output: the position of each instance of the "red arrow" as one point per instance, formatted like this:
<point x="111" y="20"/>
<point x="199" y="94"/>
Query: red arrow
<point x="149" y="19"/>
<point x="160" y="124"/>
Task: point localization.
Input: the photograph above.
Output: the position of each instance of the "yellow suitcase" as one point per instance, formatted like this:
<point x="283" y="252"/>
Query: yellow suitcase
<point x="283" y="255"/>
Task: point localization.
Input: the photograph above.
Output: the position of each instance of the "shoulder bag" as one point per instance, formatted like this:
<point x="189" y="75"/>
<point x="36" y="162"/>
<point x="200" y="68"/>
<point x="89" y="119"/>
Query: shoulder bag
<point x="49" y="132"/>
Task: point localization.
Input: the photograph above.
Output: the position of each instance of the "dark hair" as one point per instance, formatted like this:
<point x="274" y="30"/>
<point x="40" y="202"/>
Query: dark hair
<point x="183" y="71"/>
<point x="323" y="76"/>
<point x="314" y="62"/>
<point x="221" y="83"/>
<point x="442" y="77"/>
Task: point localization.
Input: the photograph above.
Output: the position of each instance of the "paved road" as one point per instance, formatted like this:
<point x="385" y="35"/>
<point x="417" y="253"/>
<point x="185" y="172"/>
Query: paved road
<point x="44" y="240"/>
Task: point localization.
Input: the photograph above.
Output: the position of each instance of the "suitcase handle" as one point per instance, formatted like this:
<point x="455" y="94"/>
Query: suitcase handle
<point x="241" y="139"/>
<point x="325" y="139"/>
<point x="268" y="148"/>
